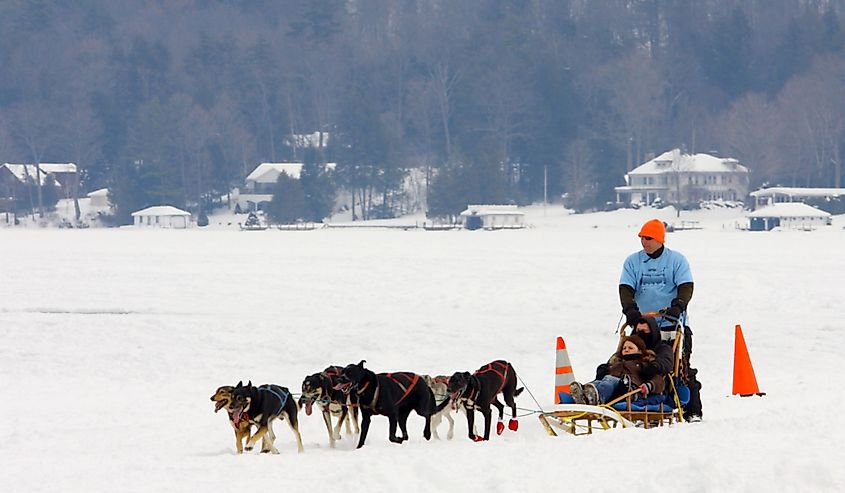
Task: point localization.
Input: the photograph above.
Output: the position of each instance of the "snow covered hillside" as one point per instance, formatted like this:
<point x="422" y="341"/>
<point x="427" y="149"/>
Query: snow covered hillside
<point x="112" y="342"/>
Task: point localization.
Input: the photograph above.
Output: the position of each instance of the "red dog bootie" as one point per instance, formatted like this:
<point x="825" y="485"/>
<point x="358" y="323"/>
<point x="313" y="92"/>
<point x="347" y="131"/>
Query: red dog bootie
<point x="513" y="425"/>
<point x="500" y="428"/>
<point x="478" y="439"/>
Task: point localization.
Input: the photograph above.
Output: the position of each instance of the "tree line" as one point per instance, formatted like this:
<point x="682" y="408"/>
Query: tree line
<point x="496" y="101"/>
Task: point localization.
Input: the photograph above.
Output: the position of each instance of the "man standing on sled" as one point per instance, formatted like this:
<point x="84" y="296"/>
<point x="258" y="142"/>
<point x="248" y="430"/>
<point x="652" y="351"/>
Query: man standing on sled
<point x="654" y="279"/>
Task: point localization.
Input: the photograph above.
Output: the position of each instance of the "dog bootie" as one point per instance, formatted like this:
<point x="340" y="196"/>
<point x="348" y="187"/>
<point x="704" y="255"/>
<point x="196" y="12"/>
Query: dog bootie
<point x="478" y="439"/>
<point x="513" y="425"/>
<point x="500" y="428"/>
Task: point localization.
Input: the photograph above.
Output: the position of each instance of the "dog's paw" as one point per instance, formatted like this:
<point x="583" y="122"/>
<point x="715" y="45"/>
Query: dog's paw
<point x="500" y="428"/>
<point x="396" y="440"/>
<point x="478" y="439"/>
<point x="513" y="425"/>
<point x="248" y="449"/>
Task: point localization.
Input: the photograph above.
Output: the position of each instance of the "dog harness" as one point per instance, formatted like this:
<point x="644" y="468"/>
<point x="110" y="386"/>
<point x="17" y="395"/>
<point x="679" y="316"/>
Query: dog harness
<point x="283" y="396"/>
<point x="498" y="367"/>
<point x="412" y="379"/>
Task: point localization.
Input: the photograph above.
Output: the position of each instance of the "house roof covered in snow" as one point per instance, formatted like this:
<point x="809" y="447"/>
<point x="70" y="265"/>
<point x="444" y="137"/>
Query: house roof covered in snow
<point x="799" y="192"/>
<point x="491" y="210"/>
<point x="675" y="161"/>
<point x="103" y="192"/>
<point x="269" y="172"/>
<point x="58" y="167"/>
<point x="789" y="209"/>
<point x="161" y="210"/>
<point x="21" y="171"/>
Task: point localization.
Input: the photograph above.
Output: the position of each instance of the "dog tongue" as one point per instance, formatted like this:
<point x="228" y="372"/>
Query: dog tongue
<point x="308" y="408"/>
<point x="236" y="416"/>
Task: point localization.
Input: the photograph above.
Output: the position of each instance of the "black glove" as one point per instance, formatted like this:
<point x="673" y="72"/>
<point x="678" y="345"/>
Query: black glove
<point x="675" y="309"/>
<point x="602" y="371"/>
<point x="648" y="371"/>
<point x="632" y="315"/>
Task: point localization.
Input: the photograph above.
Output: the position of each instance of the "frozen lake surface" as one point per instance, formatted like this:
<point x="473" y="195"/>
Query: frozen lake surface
<point x="112" y="342"/>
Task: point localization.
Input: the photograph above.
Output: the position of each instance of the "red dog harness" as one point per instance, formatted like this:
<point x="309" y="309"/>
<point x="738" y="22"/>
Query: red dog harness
<point x="412" y="379"/>
<point x="500" y="369"/>
<point x="407" y="387"/>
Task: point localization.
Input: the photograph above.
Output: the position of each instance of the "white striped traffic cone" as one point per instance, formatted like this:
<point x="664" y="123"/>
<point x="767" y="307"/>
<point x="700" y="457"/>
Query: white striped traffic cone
<point x="563" y="370"/>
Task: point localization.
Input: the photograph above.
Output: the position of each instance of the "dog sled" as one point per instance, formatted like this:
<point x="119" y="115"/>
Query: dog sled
<point x="627" y="410"/>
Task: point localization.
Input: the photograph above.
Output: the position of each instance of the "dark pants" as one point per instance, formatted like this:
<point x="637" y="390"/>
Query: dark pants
<point x="689" y="376"/>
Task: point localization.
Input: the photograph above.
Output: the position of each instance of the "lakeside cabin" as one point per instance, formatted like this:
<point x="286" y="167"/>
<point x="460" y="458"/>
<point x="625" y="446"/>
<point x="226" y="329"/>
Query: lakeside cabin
<point x="491" y="217"/>
<point x="788" y="215"/>
<point x="162" y="216"/>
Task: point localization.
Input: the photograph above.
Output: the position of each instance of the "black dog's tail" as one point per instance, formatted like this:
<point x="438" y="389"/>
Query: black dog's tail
<point x="440" y="407"/>
<point x="518" y="391"/>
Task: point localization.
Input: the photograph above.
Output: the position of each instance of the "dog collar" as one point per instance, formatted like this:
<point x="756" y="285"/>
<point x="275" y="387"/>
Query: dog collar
<point x="362" y="389"/>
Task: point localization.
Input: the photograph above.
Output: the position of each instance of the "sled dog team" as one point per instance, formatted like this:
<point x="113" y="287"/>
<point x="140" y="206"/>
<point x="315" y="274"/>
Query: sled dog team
<point x="346" y="392"/>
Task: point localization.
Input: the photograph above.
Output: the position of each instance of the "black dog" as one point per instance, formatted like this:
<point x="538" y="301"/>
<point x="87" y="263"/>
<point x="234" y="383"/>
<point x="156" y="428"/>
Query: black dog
<point x="480" y="389"/>
<point x="319" y="388"/>
<point x="261" y="406"/>
<point x="393" y="395"/>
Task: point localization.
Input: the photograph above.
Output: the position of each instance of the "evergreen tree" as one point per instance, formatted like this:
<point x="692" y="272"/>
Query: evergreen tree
<point x="288" y="204"/>
<point x="50" y="193"/>
<point x="317" y="186"/>
<point x="130" y="190"/>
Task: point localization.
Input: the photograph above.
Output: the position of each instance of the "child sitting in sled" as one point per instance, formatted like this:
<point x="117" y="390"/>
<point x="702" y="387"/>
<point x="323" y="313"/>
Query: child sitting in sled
<point x="628" y="369"/>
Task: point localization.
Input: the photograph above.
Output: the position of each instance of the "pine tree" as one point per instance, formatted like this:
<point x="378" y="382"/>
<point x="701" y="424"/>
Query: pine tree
<point x="288" y="204"/>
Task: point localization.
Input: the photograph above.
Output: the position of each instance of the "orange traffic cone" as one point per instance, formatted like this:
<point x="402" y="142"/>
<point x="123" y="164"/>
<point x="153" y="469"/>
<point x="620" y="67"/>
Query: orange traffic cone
<point x="745" y="383"/>
<point x="563" y="370"/>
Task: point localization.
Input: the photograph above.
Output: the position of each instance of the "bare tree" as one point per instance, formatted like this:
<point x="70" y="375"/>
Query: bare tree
<point x="818" y="109"/>
<point x="636" y="96"/>
<point x="443" y="81"/>
<point x="752" y="131"/>
<point x="83" y="136"/>
<point x="34" y="130"/>
<point x="579" y="177"/>
<point x="507" y="103"/>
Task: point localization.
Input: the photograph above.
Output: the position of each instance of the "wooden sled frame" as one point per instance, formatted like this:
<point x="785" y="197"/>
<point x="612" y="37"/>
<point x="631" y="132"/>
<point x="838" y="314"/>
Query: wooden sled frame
<point x="581" y="419"/>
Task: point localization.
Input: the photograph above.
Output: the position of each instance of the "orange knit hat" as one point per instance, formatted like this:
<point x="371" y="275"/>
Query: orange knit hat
<point x="654" y="229"/>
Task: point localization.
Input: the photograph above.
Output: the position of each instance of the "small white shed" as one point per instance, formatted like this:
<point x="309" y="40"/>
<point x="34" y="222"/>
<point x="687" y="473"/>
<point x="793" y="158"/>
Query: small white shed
<point x="492" y="217"/>
<point x="788" y="215"/>
<point x="162" y="216"/>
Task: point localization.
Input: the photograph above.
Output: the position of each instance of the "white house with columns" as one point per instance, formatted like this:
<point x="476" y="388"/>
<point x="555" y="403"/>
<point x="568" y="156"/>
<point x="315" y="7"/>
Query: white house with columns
<point x="676" y="177"/>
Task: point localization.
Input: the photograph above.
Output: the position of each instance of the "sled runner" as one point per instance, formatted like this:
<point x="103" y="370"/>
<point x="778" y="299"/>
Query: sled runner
<point x="628" y="410"/>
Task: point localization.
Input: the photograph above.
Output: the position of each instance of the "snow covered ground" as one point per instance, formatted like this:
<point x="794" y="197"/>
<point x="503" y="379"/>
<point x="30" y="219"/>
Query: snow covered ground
<point x="113" y="340"/>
